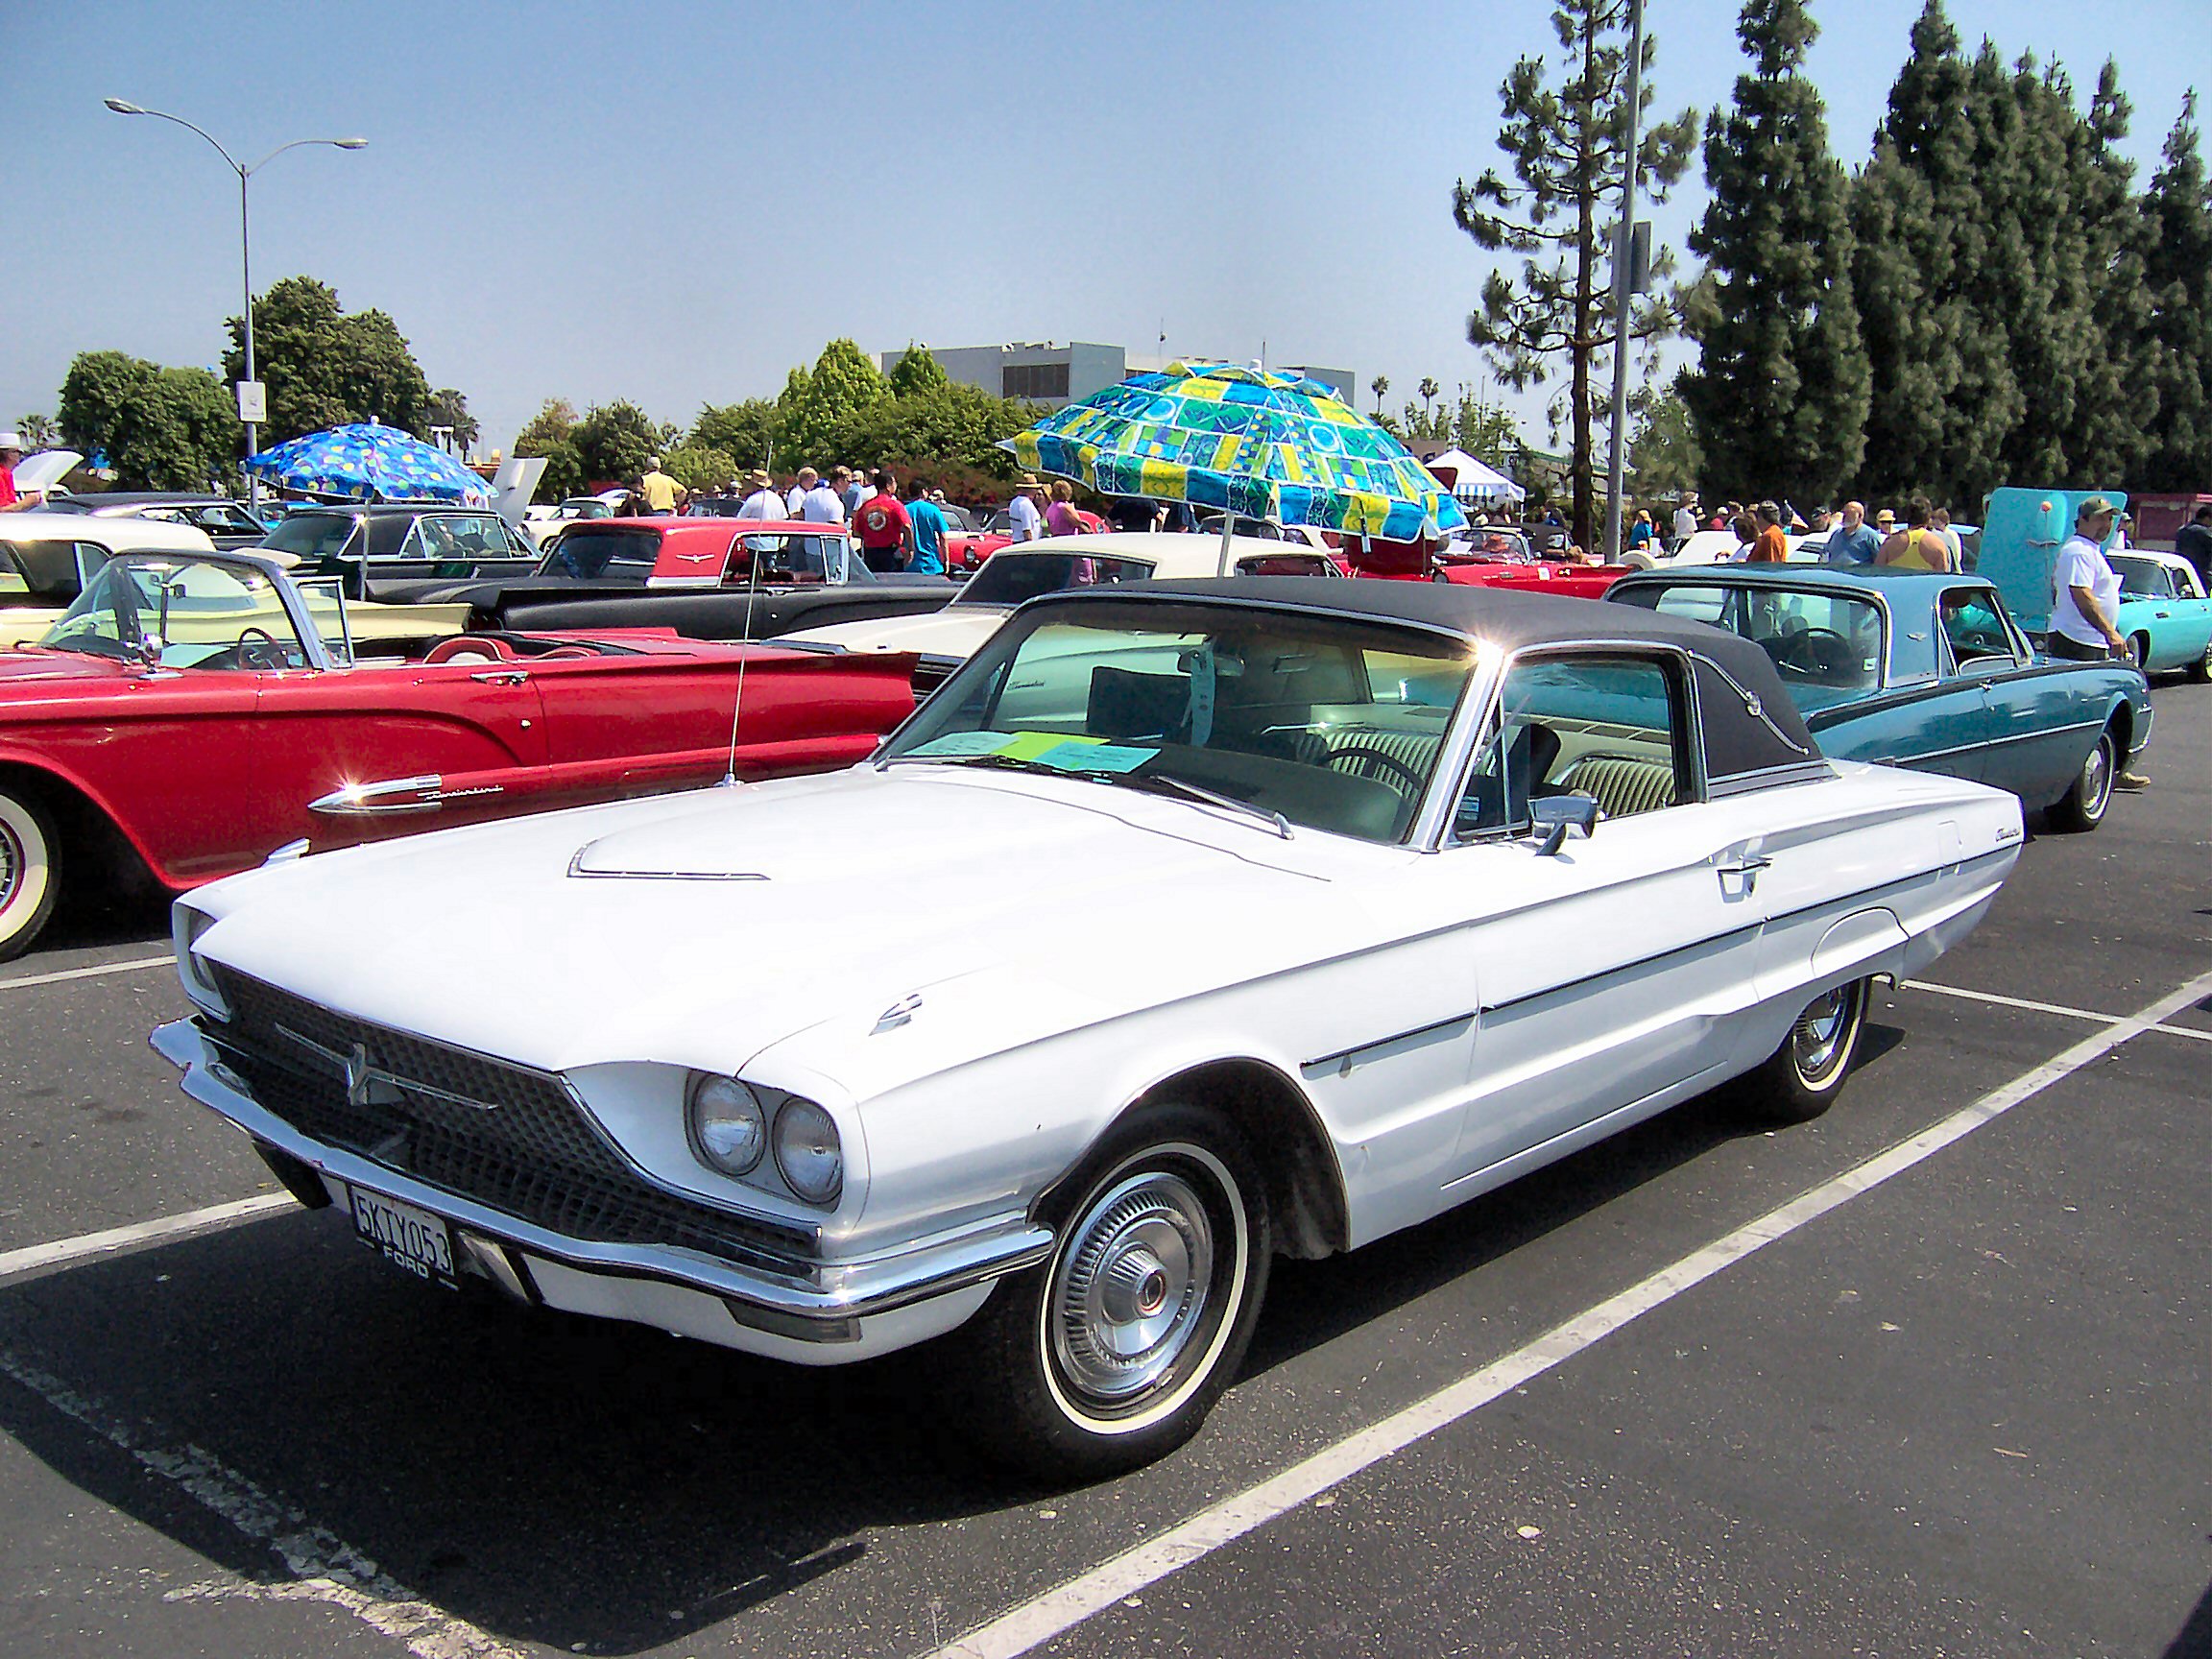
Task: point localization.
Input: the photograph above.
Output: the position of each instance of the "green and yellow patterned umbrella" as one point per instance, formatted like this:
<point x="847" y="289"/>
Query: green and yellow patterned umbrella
<point x="1247" y="443"/>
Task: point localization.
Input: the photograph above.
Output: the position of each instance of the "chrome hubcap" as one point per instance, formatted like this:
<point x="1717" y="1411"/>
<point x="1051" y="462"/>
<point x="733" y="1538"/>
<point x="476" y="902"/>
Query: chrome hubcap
<point x="2097" y="777"/>
<point x="1816" y="1040"/>
<point x="11" y="866"/>
<point x="1132" y="1289"/>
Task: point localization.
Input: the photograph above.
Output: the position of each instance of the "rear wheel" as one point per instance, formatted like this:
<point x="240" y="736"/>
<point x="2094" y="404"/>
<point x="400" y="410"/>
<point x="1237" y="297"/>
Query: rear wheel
<point x="2083" y="806"/>
<point x="1109" y="1354"/>
<point x="29" y="871"/>
<point x="1801" y="1079"/>
<point x="2200" y="670"/>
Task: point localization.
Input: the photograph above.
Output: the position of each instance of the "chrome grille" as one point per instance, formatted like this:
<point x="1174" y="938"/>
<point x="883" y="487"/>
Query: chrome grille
<point x="506" y="1136"/>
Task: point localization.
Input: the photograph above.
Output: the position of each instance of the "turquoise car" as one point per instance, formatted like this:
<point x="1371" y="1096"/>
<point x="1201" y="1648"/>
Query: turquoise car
<point x="2164" y="616"/>
<point x="1924" y="670"/>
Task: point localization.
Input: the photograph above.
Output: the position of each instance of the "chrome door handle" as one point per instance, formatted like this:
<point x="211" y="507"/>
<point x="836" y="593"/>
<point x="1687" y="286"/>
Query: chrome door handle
<point x="502" y="677"/>
<point x="1748" y="866"/>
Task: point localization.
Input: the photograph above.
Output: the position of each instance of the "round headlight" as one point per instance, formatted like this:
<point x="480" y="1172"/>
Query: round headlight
<point x="807" y="1151"/>
<point x="728" y="1129"/>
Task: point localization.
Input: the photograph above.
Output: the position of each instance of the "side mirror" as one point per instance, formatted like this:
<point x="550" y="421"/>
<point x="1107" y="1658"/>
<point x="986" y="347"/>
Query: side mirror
<point x="1551" y="816"/>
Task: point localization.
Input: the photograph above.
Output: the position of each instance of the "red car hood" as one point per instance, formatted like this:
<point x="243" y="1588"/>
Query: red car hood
<point x="22" y="670"/>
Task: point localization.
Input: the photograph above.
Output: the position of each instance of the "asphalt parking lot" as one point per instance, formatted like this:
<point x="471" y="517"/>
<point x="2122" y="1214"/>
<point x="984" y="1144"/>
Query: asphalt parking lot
<point x="1924" y="1377"/>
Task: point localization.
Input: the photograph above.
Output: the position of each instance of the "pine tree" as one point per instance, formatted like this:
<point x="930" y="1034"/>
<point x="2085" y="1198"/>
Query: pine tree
<point x="1565" y="144"/>
<point x="1779" y="397"/>
<point x="2177" y="284"/>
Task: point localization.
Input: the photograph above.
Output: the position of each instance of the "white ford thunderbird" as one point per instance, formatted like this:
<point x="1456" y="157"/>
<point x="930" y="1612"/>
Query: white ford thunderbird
<point x="1186" y="924"/>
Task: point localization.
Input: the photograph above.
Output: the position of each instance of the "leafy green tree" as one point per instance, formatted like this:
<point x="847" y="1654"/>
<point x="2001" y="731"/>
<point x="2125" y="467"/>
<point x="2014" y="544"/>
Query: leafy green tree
<point x="1779" y="392"/>
<point x="1565" y="144"/>
<point x="700" y="467"/>
<point x="958" y="424"/>
<point x="324" y="366"/>
<point x="160" y="428"/>
<point x="917" y="371"/>
<point x="448" y="408"/>
<point x="551" y="434"/>
<point x="2107" y="428"/>
<point x="615" y="441"/>
<point x="1488" y="432"/>
<point x="1664" y="455"/>
<point x="819" y="407"/>
<point x="2178" y="334"/>
<point x="746" y="430"/>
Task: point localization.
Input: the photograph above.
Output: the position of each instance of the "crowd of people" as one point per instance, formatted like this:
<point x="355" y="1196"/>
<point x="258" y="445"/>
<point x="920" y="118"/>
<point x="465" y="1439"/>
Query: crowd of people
<point x="1923" y="538"/>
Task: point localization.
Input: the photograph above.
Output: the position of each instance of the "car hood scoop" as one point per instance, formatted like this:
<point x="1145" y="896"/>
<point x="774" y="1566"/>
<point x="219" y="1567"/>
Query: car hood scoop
<point x="654" y="854"/>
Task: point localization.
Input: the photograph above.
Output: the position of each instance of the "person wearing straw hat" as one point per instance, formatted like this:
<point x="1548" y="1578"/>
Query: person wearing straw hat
<point x="761" y="501"/>
<point x="11" y="452"/>
<point x="1028" y="519"/>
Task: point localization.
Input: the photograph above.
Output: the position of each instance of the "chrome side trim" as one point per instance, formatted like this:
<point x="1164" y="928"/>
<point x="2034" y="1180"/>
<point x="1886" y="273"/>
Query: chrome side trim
<point x="817" y="1302"/>
<point x="1347" y="1056"/>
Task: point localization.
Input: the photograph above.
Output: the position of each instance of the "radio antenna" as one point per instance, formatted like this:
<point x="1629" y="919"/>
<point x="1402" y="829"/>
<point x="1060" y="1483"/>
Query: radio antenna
<point x="752" y="558"/>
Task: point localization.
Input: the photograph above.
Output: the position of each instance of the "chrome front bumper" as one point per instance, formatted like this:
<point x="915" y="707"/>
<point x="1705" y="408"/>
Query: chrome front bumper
<point x="807" y="1301"/>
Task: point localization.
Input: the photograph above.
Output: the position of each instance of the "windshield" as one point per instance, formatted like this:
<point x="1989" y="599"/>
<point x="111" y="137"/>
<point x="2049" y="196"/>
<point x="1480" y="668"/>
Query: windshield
<point x="185" y="612"/>
<point x="602" y="556"/>
<point x="2141" y="578"/>
<point x="312" y="534"/>
<point x="1008" y="578"/>
<point x="1327" y="723"/>
<point x="1827" y="646"/>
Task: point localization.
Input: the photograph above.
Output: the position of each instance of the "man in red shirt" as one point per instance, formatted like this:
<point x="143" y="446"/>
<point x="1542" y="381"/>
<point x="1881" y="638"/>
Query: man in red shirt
<point x="883" y="526"/>
<point x="1771" y="548"/>
<point x="10" y="452"/>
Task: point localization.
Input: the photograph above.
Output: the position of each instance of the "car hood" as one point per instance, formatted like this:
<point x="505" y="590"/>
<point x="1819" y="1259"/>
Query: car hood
<point x="699" y="929"/>
<point x="957" y="631"/>
<point x="30" y="674"/>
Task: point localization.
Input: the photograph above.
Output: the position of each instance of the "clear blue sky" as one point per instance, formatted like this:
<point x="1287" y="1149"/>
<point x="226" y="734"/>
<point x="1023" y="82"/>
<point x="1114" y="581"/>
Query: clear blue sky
<point x="676" y="203"/>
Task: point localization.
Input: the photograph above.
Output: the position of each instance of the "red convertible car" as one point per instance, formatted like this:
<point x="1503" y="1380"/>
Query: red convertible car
<point x="191" y="713"/>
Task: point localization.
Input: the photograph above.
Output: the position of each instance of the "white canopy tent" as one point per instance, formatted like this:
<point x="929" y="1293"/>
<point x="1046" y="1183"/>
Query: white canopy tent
<point x="1472" y="480"/>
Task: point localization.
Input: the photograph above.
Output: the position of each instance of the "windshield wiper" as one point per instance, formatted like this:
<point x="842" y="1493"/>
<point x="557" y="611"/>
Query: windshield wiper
<point x="1168" y="784"/>
<point x="1147" y="782"/>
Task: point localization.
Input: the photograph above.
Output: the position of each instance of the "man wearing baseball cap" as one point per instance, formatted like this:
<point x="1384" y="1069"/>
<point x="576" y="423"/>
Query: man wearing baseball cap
<point x="2085" y="600"/>
<point x="10" y="452"/>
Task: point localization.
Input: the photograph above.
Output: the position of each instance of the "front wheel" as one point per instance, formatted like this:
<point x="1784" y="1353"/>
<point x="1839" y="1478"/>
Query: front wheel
<point x="2139" y="652"/>
<point x="29" y="871"/>
<point x="1110" y="1354"/>
<point x="2083" y="806"/>
<point x="1801" y="1079"/>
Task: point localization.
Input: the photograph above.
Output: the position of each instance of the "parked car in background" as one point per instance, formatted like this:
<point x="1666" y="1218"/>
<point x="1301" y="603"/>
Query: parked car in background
<point x="47" y="558"/>
<point x="705" y="578"/>
<point x="540" y="524"/>
<point x="1927" y="671"/>
<point x="193" y="712"/>
<point x="394" y="550"/>
<point x="2164" y="615"/>
<point x="225" y="523"/>
<point x="942" y="640"/>
<point x="1189" y="924"/>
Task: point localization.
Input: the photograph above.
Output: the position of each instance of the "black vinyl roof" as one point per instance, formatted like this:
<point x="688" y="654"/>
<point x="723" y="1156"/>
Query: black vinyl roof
<point x="1750" y="723"/>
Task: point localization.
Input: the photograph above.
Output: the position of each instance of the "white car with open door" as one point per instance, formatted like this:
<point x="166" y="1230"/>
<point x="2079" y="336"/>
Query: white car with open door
<point x="1189" y="924"/>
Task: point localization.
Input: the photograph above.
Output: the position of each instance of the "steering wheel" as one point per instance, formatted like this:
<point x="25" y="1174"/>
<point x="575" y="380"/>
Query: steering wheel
<point x="1391" y="762"/>
<point x="1799" y="661"/>
<point x="257" y="649"/>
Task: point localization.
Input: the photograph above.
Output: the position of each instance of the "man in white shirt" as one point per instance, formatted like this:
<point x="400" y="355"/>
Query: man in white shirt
<point x="1686" y="517"/>
<point x="763" y="502"/>
<point x="2085" y="600"/>
<point x="807" y="479"/>
<point x="820" y="506"/>
<point x="1028" y="521"/>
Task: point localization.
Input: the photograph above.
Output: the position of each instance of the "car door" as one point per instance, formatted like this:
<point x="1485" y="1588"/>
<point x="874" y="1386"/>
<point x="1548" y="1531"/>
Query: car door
<point x="2191" y="616"/>
<point x="1613" y="971"/>
<point x="2040" y="727"/>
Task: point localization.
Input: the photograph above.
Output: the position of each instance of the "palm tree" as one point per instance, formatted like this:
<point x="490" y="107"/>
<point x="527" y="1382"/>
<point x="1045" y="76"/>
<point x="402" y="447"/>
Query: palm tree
<point x="37" y="432"/>
<point x="1379" y="385"/>
<point x="1429" y="391"/>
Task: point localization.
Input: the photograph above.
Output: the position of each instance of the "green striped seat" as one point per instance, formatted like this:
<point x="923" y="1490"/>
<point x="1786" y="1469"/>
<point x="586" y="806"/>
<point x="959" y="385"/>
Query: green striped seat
<point x="1621" y="784"/>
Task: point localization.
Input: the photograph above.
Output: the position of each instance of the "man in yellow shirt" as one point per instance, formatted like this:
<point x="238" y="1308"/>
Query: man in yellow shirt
<point x="663" y="494"/>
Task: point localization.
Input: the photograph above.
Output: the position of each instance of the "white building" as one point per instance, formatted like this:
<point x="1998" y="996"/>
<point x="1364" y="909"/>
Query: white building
<point x="1052" y="374"/>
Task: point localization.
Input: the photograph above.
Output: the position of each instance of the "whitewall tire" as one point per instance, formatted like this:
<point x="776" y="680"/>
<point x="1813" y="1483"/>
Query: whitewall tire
<point x="29" y="871"/>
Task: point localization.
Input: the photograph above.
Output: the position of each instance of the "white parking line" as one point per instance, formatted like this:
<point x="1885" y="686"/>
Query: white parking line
<point x="1039" y="1621"/>
<point x="131" y="967"/>
<point x="2020" y="1002"/>
<point x="322" y="1567"/>
<point x="62" y="1252"/>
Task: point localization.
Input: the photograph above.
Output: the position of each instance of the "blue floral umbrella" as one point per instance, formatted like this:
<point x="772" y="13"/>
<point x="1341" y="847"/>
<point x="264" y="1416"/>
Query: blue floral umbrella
<point x="1246" y="441"/>
<point x="369" y="464"/>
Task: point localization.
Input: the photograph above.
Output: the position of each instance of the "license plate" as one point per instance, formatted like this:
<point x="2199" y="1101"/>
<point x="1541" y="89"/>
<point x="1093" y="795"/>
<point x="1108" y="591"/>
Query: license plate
<point x="407" y="1238"/>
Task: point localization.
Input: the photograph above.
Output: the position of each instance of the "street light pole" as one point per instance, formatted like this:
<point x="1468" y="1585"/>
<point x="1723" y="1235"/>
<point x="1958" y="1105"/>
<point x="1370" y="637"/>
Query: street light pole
<point x="245" y="247"/>
<point x="1623" y="286"/>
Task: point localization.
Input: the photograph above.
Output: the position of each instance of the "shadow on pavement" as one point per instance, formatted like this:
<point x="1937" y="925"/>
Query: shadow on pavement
<point x="595" y="1487"/>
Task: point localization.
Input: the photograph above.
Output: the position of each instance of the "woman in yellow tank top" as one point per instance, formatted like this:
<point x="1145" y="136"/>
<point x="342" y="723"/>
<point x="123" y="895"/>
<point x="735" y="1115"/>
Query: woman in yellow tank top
<point x="1918" y="547"/>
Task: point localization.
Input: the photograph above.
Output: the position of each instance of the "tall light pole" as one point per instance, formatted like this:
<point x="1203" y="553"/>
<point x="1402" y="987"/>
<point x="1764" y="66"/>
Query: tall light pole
<point x="249" y="401"/>
<point x="1625" y="283"/>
